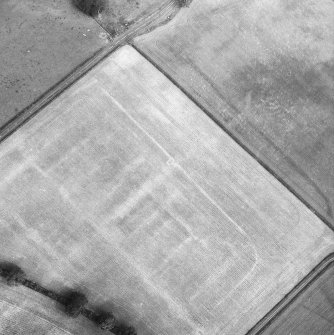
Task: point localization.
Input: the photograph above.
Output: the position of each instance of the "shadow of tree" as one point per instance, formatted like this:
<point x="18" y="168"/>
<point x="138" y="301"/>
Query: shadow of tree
<point x="90" y="7"/>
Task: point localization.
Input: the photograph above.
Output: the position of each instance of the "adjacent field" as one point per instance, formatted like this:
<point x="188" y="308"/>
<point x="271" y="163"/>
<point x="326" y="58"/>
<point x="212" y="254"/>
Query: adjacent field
<point x="265" y="70"/>
<point x="311" y="313"/>
<point x="41" y="42"/>
<point x="123" y="187"/>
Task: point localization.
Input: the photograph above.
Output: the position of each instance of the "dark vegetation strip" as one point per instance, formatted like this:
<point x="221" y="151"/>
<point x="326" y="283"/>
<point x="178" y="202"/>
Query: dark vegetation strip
<point x="73" y="303"/>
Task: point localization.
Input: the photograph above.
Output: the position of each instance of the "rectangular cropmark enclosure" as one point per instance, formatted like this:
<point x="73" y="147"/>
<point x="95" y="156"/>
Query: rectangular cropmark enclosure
<point x="122" y="185"/>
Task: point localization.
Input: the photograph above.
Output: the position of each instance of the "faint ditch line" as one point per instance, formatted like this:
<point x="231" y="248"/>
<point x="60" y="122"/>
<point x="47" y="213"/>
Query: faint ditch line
<point x="186" y="174"/>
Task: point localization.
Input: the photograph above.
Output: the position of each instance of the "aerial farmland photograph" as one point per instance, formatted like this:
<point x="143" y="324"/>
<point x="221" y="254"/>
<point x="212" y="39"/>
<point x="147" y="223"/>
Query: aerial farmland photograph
<point x="166" y="167"/>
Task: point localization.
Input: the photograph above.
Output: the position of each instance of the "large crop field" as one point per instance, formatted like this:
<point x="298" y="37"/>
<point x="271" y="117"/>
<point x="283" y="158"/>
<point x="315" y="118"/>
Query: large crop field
<point x="122" y="187"/>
